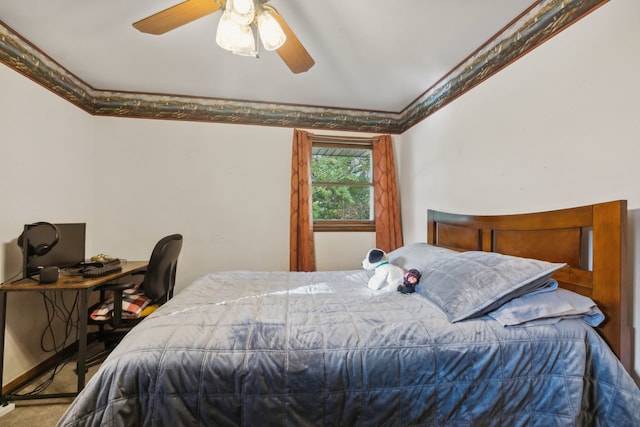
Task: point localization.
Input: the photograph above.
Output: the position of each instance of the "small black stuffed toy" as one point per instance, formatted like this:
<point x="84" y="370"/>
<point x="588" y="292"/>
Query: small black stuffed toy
<point x="411" y="279"/>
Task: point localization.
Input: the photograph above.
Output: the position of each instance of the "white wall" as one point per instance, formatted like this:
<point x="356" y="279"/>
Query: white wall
<point x="225" y="188"/>
<point x="558" y="128"/>
<point x="342" y="251"/>
<point x="45" y="175"/>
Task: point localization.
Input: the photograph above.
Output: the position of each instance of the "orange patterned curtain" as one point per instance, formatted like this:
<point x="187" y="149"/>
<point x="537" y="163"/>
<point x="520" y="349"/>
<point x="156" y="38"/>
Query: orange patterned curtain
<point x="302" y="254"/>
<point x="387" y="205"/>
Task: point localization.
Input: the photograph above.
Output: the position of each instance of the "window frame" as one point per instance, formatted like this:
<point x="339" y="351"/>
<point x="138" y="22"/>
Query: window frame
<point x="345" y="225"/>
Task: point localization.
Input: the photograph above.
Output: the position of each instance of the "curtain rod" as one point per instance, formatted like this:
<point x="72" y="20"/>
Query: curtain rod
<point x="338" y="139"/>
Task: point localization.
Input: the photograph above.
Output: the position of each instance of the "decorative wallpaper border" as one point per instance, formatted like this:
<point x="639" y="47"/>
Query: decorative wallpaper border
<point x="540" y="22"/>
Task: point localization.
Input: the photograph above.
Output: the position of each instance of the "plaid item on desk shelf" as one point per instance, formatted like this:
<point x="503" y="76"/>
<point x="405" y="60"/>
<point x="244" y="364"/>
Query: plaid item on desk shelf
<point x="133" y="302"/>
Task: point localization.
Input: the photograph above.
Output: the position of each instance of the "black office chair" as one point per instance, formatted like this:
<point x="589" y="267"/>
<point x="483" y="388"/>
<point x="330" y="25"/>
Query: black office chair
<point x="158" y="282"/>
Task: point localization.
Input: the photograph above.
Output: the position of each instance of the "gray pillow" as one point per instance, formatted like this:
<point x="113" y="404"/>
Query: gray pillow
<point x="418" y="255"/>
<point x="556" y="304"/>
<point x="471" y="284"/>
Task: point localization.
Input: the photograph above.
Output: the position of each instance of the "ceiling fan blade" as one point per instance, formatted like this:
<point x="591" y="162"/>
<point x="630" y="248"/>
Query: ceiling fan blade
<point x="292" y="52"/>
<point x="177" y="15"/>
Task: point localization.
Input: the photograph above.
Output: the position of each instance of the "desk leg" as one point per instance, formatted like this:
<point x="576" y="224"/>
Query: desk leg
<point x="3" y="324"/>
<point x="82" y="338"/>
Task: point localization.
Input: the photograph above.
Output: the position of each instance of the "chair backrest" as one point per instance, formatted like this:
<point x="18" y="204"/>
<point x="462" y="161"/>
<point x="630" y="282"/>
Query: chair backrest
<point x="160" y="277"/>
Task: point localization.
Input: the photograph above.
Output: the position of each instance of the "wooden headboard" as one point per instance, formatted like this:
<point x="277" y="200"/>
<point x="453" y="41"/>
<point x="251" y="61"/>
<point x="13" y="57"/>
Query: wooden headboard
<point x="590" y="239"/>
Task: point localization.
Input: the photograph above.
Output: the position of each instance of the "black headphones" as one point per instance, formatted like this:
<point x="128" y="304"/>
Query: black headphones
<point x="42" y="248"/>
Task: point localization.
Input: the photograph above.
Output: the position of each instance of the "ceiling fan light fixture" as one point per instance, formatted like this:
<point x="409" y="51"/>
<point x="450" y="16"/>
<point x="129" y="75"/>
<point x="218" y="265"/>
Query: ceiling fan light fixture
<point x="241" y="11"/>
<point x="246" y="45"/>
<point x="271" y="33"/>
<point x="236" y="38"/>
<point x="230" y="35"/>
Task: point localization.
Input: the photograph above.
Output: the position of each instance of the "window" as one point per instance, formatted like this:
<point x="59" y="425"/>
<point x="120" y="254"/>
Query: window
<point x="342" y="186"/>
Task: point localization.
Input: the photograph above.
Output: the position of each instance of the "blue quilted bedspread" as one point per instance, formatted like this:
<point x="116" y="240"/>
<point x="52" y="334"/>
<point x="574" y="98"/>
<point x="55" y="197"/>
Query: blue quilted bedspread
<point x="300" y="349"/>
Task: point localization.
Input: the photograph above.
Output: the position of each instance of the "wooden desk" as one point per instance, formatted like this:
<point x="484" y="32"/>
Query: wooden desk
<point x="66" y="283"/>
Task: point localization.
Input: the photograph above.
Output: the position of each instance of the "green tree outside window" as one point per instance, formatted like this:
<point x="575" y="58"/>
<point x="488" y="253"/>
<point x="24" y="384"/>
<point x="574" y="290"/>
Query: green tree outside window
<point x="342" y="187"/>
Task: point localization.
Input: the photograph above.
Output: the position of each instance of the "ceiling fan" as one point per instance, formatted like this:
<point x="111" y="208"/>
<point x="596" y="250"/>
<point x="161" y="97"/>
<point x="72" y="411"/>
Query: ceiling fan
<point x="291" y="51"/>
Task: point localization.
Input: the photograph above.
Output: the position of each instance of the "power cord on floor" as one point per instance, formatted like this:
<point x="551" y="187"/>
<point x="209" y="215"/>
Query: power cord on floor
<point x="56" y="307"/>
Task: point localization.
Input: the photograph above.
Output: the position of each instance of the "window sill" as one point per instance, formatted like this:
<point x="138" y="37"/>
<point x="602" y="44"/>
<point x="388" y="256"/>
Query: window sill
<point x="344" y="226"/>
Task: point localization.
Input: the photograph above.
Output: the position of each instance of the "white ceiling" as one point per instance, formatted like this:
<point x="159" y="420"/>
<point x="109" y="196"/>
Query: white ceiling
<point x="370" y="54"/>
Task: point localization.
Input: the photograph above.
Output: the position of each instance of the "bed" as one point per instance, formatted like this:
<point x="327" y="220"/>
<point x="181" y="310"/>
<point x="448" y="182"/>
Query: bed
<point x="321" y="348"/>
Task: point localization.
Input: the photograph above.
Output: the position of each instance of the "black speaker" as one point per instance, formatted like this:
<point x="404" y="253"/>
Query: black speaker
<point x="49" y="274"/>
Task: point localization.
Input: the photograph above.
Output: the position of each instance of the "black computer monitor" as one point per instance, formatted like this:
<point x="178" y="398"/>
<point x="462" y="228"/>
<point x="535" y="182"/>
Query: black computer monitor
<point x="67" y="252"/>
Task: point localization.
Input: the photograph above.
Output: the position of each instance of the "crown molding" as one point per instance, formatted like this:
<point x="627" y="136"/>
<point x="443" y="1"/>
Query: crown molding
<point x="537" y="24"/>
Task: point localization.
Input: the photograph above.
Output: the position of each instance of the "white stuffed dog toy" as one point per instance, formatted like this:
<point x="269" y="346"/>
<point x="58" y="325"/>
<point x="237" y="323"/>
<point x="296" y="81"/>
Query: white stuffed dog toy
<point x="387" y="276"/>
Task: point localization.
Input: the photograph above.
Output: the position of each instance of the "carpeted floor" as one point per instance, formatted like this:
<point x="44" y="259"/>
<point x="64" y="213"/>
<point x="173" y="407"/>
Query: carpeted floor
<point x="40" y="413"/>
<point x="47" y="412"/>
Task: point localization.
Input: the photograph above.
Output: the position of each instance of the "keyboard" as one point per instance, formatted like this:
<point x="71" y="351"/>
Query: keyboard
<point x="105" y="270"/>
